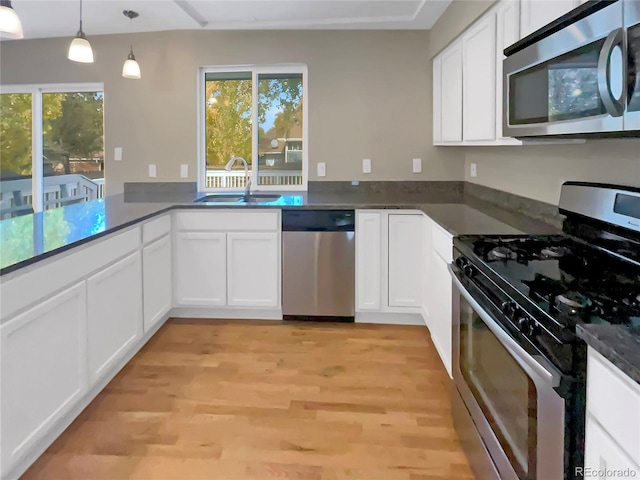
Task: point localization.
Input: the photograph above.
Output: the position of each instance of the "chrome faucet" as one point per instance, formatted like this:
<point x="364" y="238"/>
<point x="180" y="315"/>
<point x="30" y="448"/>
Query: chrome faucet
<point x="247" y="190"/>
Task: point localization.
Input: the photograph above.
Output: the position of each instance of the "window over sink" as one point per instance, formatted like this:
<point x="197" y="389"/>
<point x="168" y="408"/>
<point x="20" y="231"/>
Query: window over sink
<point x="257" y="113"/>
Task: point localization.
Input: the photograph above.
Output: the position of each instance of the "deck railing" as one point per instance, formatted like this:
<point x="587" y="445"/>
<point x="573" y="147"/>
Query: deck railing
<point x="16" y="196"/>
<point x="236" y="178"/>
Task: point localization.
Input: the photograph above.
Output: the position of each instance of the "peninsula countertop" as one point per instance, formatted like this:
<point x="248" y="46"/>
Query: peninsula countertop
<point x="27" y="239"/>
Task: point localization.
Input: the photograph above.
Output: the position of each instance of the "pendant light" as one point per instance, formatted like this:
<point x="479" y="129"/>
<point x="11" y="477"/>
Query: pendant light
<point x="10" y="26"/>
<point x="80" y="49"/>
<point x="131" y="68"/>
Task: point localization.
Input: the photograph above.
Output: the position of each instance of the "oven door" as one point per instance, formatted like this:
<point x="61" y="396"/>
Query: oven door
<point x="507" y="390"/>
<point x="570" y="82"/>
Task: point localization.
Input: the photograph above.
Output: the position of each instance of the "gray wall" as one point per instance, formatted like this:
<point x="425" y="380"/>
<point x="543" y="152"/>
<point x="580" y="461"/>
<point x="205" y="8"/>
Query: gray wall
<point x="537" y="171"/>
<point x="369" y="97"/>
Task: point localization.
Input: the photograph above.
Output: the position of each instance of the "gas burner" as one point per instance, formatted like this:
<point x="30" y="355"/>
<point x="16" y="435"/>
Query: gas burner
<point x="554" y="251"/>
<point x="502" y="252"/>
<point x="573" y="300"/>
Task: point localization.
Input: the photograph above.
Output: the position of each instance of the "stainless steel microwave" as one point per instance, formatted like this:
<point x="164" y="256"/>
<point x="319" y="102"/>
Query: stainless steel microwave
<point x="578" y="76"/>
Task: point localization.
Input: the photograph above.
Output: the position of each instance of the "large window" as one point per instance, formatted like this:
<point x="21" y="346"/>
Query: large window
<point x="51" y="147"/>
<point x="257" y="113"/>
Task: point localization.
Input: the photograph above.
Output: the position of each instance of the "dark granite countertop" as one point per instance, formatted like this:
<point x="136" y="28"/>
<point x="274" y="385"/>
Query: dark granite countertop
<point x="30" y="238"/>
<point x="617" y="343"/>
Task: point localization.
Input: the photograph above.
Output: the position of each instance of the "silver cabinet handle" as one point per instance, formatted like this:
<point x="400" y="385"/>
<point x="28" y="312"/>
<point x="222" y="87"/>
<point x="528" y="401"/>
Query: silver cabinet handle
<point x="614" y="106"/>
<point x="520" y="355"/>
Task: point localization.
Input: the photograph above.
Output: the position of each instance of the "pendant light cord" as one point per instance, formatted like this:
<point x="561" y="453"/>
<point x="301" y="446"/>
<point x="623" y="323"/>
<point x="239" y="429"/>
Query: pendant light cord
<point x="80" y="32"/>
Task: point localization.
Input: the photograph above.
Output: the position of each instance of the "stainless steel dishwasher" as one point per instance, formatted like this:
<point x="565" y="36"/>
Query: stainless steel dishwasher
<point x="318" y="265"/>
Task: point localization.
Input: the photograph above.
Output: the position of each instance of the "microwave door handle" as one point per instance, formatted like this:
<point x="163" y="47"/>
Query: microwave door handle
<point x="519" y="354"/>
<point x="614" y="106"/>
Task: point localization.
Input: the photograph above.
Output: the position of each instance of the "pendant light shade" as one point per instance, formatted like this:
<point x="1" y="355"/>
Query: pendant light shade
<point x="80" y="48"/>
<point x="10" y="25"/>
<point x="131" y="67"/>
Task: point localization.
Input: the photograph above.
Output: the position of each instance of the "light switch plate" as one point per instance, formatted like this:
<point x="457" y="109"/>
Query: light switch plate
<point x="117" y="154"/>
<point x="152" y="170"/>
<point x="417" y="165"/>
<point x="184" y="170"/>
<point x="473" y="171"/>
<point x="322" y="169"/>
<point x="366" y="165"/>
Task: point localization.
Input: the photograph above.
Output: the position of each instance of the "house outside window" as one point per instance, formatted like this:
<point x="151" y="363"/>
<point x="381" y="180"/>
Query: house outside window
<point x="258" y="113"/>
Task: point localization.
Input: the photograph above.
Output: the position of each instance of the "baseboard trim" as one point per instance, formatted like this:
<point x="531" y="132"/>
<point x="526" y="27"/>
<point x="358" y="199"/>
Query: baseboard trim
<point x="387" y="318"/>
<point x="446" y="360"/>
<point x="39" y="446"/>
<point x="228" y="312"/>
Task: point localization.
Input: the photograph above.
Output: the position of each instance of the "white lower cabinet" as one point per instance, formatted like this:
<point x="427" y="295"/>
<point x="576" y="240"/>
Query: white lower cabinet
<point x="388" y="266"/>
<point x="253" y="265"/>
<point x="43" y="370"/>
<point x="368" y="260"/>
<point x="405" y="254"/>
<point x="157" y="282"/>
<point x="612" y="443"/>
<point x="201" y="268"/>
<point x="114" y="322"/>
<point x="237" y="266"/>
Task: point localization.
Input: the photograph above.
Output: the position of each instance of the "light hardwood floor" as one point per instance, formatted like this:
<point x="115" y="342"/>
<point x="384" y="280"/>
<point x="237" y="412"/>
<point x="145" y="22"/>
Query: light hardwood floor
<point x="237" y="400"/>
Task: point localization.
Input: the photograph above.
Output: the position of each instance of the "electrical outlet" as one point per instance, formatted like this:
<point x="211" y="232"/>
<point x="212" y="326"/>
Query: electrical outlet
<point x="117" y="154"/>
<point x="472" y="170"/>
<point x="184" y="170"/>
<point x="322" y="169"/>
<point x="152" y="170"/>
<point x="417" y="165"/>
<point x="366" y="165"/>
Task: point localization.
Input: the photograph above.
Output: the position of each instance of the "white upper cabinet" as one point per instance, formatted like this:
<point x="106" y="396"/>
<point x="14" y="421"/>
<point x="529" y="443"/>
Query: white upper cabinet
<point x="437" y="99"/>
<point x="467" y="74"/>
<point x="536" y="14"/>
<point x="479" y="81"/>
<point x="451" y="91"/>
<point x="507" y="33"/>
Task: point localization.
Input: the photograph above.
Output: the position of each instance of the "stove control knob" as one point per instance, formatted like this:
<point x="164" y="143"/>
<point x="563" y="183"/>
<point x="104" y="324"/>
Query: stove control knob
<point x="534" y="328"/>
<point x="461" y="262"/>
<point x="524" y="324"/>
<point x="469" y="271"/>
<point x="509" y="309"/>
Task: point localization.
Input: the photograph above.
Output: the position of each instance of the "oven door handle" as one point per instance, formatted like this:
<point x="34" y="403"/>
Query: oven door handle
<point x="519" y="354"/>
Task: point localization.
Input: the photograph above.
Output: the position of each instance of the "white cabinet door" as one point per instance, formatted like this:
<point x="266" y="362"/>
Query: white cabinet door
<point x="440" y="296"/>
<point x="535" y="14"/>
<point x="368" y="260"/>
<point x="507" y="33"/>
<point x="405" y="255"/>
<point x="44" y="370"/>
<point x="602" y="453"/>
<point x="452" y="93"/>
<point x="253" y="270"/>
<point x="479" y="80"/>
<point x="437" y="98"/>
<point x="156" y="280"/>
<point x="201" y="268"/>
<point x="115" y="313"/>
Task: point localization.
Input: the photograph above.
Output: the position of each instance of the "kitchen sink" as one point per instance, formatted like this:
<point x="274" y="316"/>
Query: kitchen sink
<point x="235" y="198"/>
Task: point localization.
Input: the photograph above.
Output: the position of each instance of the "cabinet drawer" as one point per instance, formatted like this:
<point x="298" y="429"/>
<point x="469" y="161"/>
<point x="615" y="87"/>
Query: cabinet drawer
<point x="229" y="220"/>
<point x="442" y="242"/>
<point x="613" y="400"/>
<point x="156" y="228"/>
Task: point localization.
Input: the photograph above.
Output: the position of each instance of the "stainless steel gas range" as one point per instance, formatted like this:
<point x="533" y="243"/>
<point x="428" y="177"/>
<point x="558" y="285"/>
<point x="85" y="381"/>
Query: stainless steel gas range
<point x="519" y="369"/>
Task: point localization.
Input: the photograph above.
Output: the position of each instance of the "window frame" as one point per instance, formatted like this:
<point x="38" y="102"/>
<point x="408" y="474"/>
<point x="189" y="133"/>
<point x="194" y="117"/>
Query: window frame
<point x="294" y="68"/>
<point x="37" y="134"/>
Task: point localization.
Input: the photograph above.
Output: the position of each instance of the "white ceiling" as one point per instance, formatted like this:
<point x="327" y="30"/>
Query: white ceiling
<point x="59" y="18"/>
